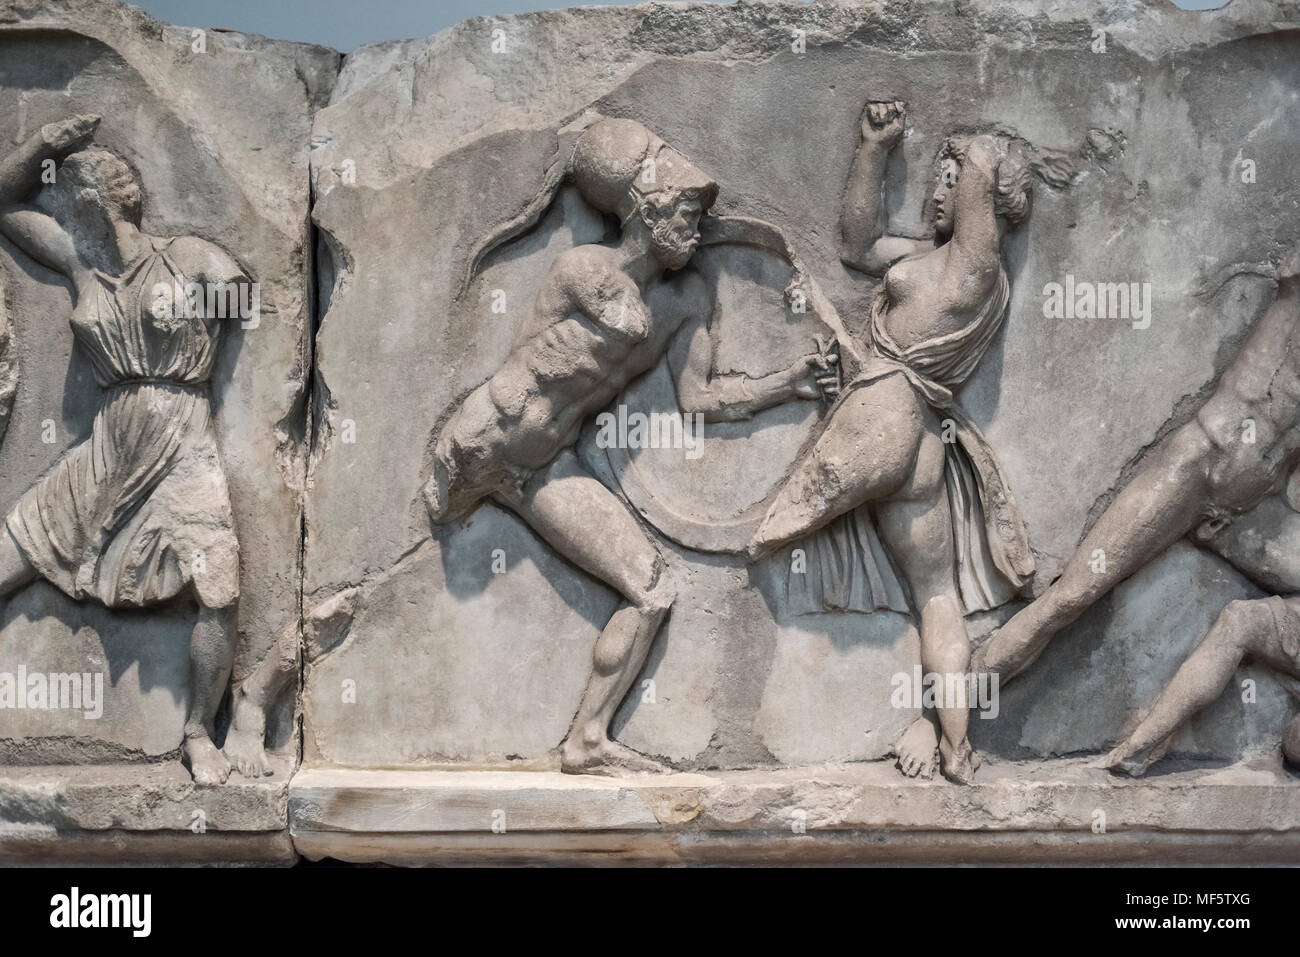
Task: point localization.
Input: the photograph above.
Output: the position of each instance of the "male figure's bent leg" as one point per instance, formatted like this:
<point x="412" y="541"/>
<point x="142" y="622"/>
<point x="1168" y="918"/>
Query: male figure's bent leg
<point x="588" y="525"/>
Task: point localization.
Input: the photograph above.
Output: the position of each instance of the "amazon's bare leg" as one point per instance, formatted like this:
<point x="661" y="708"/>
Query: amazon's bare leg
<point x="917" y="530"/>
<point x="588" y="525"/>
<point x="881" y="445"/>
<point x="865" y="452"/>
<point x="212" y="651"/>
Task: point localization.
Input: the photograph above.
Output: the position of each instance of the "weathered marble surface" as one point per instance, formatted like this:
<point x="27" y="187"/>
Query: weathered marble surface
<point x="220" y="139"/>
<point x="862" y="813"/>
<point x="437" y="657"/>
<point x="739" y="680"/>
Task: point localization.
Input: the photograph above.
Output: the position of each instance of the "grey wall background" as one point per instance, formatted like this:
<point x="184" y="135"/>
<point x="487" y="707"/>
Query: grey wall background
<point x="346" y="24"/>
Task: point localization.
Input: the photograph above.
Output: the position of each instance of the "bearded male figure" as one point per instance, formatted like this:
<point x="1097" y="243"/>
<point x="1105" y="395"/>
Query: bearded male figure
<point x="604" y="315"/>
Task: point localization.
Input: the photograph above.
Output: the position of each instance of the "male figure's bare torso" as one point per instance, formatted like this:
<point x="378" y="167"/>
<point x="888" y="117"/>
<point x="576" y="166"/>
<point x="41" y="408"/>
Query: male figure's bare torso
<point x="1252" y="420"/>
<point x="591" y="332"/>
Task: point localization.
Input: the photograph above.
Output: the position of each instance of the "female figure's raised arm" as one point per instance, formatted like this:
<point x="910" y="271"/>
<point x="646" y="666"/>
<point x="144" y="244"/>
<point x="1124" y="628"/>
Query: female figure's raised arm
<point x="975" y="226"/>
<point x="31" y="230"/>
<point x="862" y="222"/>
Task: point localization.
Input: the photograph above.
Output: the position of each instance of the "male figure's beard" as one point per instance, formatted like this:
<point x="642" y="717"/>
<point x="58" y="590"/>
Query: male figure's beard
<point x="670" y="248"/>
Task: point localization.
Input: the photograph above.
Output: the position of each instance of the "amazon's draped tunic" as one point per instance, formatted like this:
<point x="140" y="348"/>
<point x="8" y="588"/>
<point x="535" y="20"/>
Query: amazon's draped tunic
<point x="848" y="568"/>
<point x="140" y="509"/>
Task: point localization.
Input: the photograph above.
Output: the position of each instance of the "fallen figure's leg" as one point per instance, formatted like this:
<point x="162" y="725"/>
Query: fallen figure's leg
<point x="1266" y="630"/>
<point x="1260" y="544"/>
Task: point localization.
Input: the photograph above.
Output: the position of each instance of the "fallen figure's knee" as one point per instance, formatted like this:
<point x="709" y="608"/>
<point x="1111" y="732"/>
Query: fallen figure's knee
<point x="1243" y="624"/>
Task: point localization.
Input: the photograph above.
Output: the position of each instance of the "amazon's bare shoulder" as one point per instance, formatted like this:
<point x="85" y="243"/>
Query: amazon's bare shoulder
<point x="203" y="260"/>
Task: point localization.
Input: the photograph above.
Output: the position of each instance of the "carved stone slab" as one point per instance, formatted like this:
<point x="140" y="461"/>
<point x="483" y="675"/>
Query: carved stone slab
<point x="215" y="126"/>
<point x="638" y="404"/>
<point x="742" y="673"/>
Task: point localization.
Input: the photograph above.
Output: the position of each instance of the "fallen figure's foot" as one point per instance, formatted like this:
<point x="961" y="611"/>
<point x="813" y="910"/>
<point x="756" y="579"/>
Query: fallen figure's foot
<point x="918" y="750"/>
<point x="958" y="764"/>
<point x="609" y="758"/>
<point x="207" y="764"/>
<point x="245" y="741"/>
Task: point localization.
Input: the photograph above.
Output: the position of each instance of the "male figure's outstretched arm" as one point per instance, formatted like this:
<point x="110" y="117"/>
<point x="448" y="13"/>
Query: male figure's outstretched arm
<point x="736" y="397"/>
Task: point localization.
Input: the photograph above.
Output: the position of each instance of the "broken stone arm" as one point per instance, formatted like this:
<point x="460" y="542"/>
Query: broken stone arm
<point x="974" y="221"/>
<point x="21" y="177"/>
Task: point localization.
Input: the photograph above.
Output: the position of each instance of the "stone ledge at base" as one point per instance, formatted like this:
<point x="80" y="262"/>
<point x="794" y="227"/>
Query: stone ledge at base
<point x="141" y="814"/>
<point x="1034" y="813"/>
<point x="1030" y="813"/>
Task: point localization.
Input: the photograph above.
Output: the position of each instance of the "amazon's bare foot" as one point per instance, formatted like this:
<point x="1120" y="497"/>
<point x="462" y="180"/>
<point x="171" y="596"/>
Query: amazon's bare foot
<point x="245" y="740"/>
<point x="207" y="764"/>
<point x="918" y="750"/>
<point x="959" y="763"/>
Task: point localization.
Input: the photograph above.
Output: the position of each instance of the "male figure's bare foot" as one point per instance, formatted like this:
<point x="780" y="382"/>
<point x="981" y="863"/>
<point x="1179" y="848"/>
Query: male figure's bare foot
<point x="918" y="749"/>
<point x="1133" y="761"/>
<point x="959" y="763"/>
<point x="245" y="740"/>
<point x="207" y="764"/>
<point x="606" y="757"/>
<point x="1006" y="652"/>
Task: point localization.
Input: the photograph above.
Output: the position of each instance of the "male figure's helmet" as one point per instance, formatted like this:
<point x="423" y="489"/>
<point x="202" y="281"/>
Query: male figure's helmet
<point x="617" y="163"/>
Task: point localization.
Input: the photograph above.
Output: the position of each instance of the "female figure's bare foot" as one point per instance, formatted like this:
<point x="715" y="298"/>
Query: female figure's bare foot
<point x="244" y="741"/>
<point x="607" y="757"/>
<point x="207" y="765"/>
<point x="958" y="763"/>
<point x="918" y="749"/>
